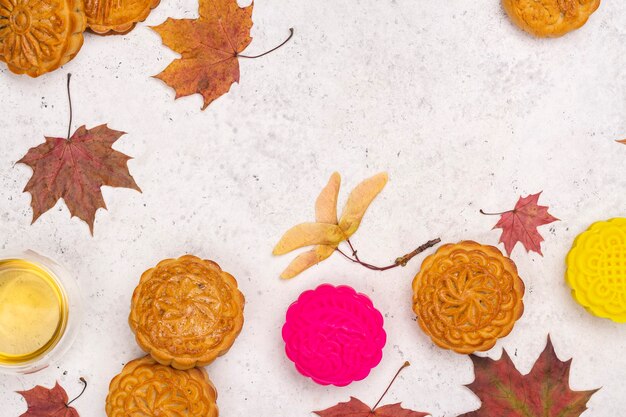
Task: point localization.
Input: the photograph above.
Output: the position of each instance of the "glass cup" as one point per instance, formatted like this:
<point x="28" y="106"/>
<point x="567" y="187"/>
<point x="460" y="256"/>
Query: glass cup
<point x="59" y="287"/>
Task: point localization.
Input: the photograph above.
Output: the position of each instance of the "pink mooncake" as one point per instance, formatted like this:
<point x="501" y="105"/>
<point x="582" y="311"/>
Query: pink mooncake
<point x="334" y="335"/>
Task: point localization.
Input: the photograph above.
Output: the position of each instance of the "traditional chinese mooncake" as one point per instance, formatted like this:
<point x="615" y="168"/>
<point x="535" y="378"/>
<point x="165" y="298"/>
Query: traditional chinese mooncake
<point x="466" y="296"/>
<point x="105" y="16"/>
<point x="550" y="18"/>
<point x="38" y="36"/>
<point x="147" y="388"/>
<point x="186" y="312"/>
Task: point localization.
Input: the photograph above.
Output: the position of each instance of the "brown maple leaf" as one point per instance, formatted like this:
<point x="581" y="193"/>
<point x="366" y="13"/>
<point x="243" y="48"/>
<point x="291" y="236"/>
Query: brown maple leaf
<point x="74" y="169"/>
<point x="520" y="224"/>
<point x="45" y="402"/>
<point x="357" y="408"/>
<point x="209" y="47"/>
<point x="543" y="392"/>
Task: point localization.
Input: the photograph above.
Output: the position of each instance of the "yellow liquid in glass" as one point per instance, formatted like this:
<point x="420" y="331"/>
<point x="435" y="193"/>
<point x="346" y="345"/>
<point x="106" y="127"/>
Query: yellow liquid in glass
<point x="33" y="311"/>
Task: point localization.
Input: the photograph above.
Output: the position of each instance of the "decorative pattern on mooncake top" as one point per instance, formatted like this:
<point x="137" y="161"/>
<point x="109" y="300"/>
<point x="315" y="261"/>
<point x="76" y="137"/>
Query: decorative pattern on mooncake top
<point x="38" y="36"/>
<point x="466" y="296"/>
<point x="186" y="312"/>
<point x="334" y="335"/>
<point x="147" y="388"/>
<point x="105" y="16"/>
<point x="596" y="269"/>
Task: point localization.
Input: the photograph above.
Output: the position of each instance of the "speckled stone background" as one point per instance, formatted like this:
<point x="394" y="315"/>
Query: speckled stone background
<point x="461" y="108"/>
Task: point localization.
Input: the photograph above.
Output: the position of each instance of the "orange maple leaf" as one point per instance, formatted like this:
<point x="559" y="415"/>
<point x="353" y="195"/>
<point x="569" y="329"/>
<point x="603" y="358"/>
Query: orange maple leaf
<point x="209" y="47"/>
<point x="74" y="169"/>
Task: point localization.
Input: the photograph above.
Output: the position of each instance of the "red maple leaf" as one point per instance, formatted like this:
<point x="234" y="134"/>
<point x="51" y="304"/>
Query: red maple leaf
<point x="74" y="169"/>
<point x="357" y="408"/>
<point x="544" y="392"/>
<point x="44" y="402"/>
<point x="520" y="224"/>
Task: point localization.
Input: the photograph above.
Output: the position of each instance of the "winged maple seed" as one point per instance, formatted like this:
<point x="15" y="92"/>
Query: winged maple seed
<point x="357" y="408"/>
<point x="543" y="392"/>
<point x="209" y="47"/>
<point x="74" y="169"/>
<point x="44" y="402"/>
<point x="328" y="231"/>
<point x="520" y="224"/>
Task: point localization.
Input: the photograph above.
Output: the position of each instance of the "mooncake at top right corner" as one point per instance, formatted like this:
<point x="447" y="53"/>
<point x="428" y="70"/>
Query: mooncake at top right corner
<point x="596" y="269"/>
<point x="550" y="18"/>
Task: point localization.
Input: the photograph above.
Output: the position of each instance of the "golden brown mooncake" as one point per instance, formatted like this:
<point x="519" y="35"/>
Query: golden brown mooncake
<point x="466" y="296"/>
<point x="147" y="388"/>
<point x="186" y="312"/>
<point x="120" y="16"/>
<point x="550" y="18"/>
<point x="38" y="36"/>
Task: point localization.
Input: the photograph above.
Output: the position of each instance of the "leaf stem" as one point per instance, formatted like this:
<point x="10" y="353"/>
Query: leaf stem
<point x="69" y="98"/>
<point x="401" y="261"/>
<point x="81" y="380"/>
<point x="405" y="365"/>
<point x="494" y="214"/>
<point x="271" y="50"/>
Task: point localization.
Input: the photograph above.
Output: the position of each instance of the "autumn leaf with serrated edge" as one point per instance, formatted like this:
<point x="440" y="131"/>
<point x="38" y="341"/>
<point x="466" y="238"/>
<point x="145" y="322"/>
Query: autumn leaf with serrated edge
<point x="328" y="231"/>
<point x="210" y="47"/>
<point x="74" y="169"/>
<point x="543" y="392"/>
<point x="45" y="402"/>
<point x="357" y="408"/>
<point x="520" y="224"/>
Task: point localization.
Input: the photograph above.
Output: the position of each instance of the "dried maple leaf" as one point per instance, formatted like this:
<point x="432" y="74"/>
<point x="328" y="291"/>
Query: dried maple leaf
<point x="520" y="224"/>
<point x="357" y="408"/>
<point x="44" y="402"/>
<point x="209" y="47"/>
<point x="544" y="392"/>
<point x="74" y="169"/>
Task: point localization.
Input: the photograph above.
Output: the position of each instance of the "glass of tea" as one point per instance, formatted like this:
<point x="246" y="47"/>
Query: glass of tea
<point x="40" y="312"/>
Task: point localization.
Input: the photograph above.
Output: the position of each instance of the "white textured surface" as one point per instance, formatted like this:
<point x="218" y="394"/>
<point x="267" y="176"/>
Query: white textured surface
<point x="462" y="109"/>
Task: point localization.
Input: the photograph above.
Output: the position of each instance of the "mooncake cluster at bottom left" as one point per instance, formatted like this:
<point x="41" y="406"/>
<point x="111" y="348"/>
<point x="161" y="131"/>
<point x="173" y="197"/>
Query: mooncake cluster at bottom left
<point x="185" y="313"/>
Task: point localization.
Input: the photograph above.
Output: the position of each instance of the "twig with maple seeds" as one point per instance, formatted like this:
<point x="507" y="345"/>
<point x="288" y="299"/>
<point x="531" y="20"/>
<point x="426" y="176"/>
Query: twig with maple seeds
<point x="329" y="230"/>
<point x="271" y="50"/>
<point x="401" y="261"/>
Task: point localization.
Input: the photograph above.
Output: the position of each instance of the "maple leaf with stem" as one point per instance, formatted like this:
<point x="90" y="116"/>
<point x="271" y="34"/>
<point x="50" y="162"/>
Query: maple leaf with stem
<point x="357" y="408"/>
<point x="328" y="231"/>
<point x="543" y="392"/>
<point x="45" y="402"/>
<point x="74" y="169"/>
<point x="520" y="224"/>
<point x="210" y="47"/>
